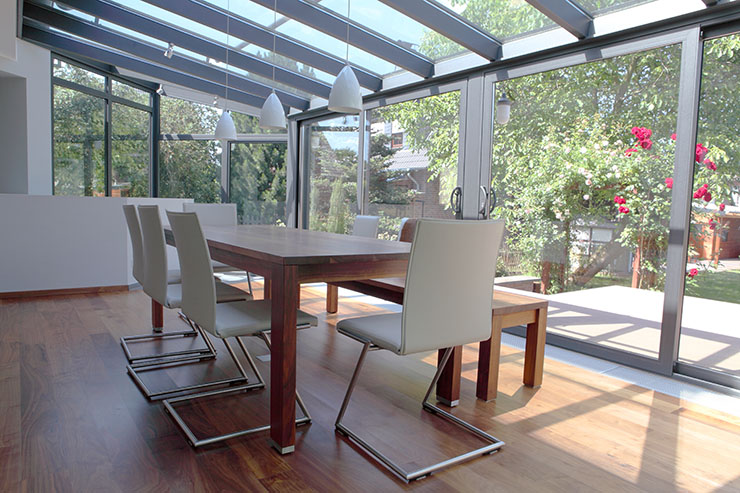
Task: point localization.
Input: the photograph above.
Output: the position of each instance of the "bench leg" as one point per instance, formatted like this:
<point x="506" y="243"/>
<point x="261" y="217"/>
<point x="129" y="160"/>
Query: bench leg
<point x="534" y="352"/>
<point x="157" y="316"/>
<point x="332" y="298"/>
<point x="489" y="356"/>
<point x="448" y="385"/>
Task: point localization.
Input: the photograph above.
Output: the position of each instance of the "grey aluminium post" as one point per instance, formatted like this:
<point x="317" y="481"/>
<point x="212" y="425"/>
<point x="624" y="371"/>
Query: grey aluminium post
<point x="154" y="142"/>
<point x="362" y="157"/>
<point x="291" y="175"/>
<point x="683" y="175"/>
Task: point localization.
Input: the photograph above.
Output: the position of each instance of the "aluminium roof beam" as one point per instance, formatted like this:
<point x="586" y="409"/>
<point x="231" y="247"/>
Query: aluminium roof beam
<point x="568" y="15"/>
<point x="252" y="33"/>
<point x="446" y="22"/>
<point x="709" y="3"/>
<point x="170" y="34"/>
<point x="78" y="27"/>
<point x="360" y="36"/>
<point x="75" y="47"/>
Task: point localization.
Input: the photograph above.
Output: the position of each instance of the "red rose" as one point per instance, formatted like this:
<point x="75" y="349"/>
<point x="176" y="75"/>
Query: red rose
<point x="707" y="196"/>
<point x="646" y="144"/>
<point x="619" y="200"/>
<point x="629" y="151"/>
<point x="710" y="164"/>
<point x="673" y="136"/>
<point x="701" y="152"/>
<point x="669" y="182"/>
<point x="712" y="224"/>
<point x="624" y="210"/>
<point x="692" y="273"/>
<point x="722" y="207"/>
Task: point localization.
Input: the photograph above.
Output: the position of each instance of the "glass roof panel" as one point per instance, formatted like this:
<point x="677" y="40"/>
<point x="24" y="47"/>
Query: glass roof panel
<point x="600" y="7"/>
<point x="335" y="47"/>
<point x="504" y="19"/>
<point x="389" y="22"/>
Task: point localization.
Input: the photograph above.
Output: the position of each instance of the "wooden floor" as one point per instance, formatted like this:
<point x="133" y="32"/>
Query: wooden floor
<point x="72" y="420"/>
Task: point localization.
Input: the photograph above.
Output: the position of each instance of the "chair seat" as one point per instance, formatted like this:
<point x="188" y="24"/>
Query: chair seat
<point x="173" y="276"/>
<point x="247" y="318"/>
<point x="382" y="330"/>
<point x="224" y="293"/>
<point x="221" y="267"/>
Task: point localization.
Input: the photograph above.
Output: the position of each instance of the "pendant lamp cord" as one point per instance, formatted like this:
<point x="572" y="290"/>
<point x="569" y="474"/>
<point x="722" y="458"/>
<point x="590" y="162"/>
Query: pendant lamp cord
<point x="274" y="42"/>
<point x="346" y="57"/>
<point x="228" y="18"/>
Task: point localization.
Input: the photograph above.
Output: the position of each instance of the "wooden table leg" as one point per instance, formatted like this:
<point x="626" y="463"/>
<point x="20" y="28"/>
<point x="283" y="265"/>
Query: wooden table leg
<point x="489" y="356"/>
<point x="448" y="386"/>
<point x="332" y="298"/>
<point x="157" y="316"/>
<point x="266" y="289"/>
<point x="534" y="352"/>
<point x="283" y="359"/>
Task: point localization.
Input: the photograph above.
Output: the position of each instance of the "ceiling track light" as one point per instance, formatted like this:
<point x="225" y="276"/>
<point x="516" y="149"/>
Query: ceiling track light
<point x="225" y="128"/>
<point x="272" y="114"/>
<point x="170" y="50"/>
<point x="345" y="95"/>
<point x="160" y="90"/>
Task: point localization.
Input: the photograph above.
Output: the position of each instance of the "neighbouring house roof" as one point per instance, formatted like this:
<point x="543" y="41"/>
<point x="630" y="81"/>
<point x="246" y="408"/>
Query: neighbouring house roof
<point x="408" y="159"/>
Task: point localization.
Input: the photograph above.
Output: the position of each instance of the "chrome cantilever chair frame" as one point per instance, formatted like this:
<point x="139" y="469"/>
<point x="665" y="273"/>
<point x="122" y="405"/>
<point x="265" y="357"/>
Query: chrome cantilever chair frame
<point x="158" y="332"/>
<point x="409" y="476"/>
<point x="193" y="440"/>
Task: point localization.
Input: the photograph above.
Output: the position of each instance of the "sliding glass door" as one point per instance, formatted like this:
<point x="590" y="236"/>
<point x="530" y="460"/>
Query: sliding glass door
<point x="709" y="344"/>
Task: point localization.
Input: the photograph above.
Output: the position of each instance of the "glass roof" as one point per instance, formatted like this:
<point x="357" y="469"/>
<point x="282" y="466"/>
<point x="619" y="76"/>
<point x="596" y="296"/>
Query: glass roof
<point x="424" y="41"/>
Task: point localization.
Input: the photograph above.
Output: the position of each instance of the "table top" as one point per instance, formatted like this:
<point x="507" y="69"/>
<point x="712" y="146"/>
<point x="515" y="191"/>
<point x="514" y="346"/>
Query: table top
<point x="291" y="246"/>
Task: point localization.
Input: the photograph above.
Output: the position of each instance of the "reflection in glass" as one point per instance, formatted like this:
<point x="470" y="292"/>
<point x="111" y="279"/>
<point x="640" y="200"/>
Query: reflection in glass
<point x="406" y="176"/>
<point x="79" y="137"/>
<point x="332" y="162"/>
<point x="130" y="92"/>
<point x="129" y="151"/>
<point x="711" y="307"/>
<point x="78" y="75"/>
<point x="581" y="172"/>
<point x="258" y="182"/>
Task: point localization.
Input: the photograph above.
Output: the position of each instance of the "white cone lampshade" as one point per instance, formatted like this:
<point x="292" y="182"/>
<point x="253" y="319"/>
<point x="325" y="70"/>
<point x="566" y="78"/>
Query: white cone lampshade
<point x="272" y="114"/>
<point x="225" y="129"/>
<point x="345" y="95"/>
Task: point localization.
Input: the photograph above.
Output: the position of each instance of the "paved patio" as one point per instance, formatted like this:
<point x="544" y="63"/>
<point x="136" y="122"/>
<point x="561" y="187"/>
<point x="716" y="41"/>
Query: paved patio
<point x="629" y="319"/>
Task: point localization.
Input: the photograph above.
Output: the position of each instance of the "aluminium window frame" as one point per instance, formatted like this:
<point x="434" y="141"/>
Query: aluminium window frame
<point x="690" y="31"/>
<point x="109" y="98"/>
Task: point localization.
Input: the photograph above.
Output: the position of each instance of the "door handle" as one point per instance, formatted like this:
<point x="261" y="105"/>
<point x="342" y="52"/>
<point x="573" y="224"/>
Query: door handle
<point x="482" y="210"/>
<point x="456" y="202"/>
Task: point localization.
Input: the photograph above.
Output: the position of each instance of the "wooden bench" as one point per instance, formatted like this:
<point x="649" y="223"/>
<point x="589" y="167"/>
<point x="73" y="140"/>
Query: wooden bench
<point x="509" y="310"/>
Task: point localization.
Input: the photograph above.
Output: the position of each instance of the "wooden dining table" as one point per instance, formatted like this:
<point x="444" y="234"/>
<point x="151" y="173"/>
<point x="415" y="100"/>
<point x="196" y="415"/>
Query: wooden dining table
<point x="287" y="257"/>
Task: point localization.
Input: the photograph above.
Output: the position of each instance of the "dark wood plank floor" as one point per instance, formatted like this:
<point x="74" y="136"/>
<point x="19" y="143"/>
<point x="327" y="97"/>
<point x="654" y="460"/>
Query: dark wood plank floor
<point x="72" y="420"/>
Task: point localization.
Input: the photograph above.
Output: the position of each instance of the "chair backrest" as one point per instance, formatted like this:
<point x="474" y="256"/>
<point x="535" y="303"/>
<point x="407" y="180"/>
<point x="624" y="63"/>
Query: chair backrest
<point x="155" y="253"/>
<point x="213" y="214"/>
<point x="408" y="228"/>
<point x="366" y="226"/>
<point x="449" y="284"/>
<point x="198" y="285"/>
<point x="134" y="232"/>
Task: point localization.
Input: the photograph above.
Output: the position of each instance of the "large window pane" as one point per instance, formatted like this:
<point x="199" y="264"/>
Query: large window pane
<point x="79" y="143"/>
<point x="582" y="175"/>
<point x="258" y="182"/>
<point x="190" y="169"/>
<point x="79" y="75"/>
<point x="412" y="162"/>
<point x="129" y="92"/>
<point x="129" y="151"/>
<point x="711" y="307"/>
<point x="332" y="182"/>
<point x="178" y="116"/>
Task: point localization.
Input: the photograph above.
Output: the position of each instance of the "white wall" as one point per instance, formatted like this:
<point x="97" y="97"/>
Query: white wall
<point x="32" y="65"/>
<point x="8" y="19"/>
<point x="54" y="242"/>
<point x="13" y="172"/>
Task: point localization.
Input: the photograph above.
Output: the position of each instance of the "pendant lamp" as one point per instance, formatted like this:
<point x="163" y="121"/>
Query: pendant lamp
<point x="345" y="95"/>
<point x="225" y="128"/>
<point x="272" y="115"/>
<point x="503" y="109"/>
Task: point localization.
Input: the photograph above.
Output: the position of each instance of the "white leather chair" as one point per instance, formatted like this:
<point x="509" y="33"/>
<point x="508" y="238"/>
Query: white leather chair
<point x="366" y="226"/>
<point x="170" y="296"/>
<point x="139" y="270"/>
<point x="463" y="253"/>
<point x="217" y="215"/>
<point x="225" y="320"/>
